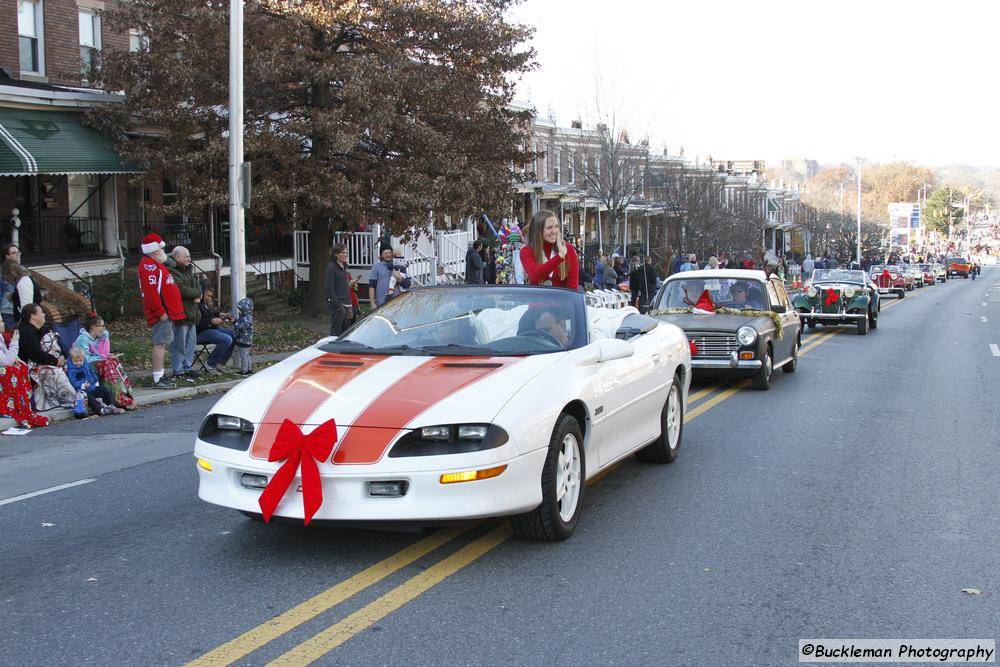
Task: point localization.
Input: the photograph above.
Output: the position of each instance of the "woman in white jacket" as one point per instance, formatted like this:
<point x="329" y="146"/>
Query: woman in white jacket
<point x="25" y="289"/>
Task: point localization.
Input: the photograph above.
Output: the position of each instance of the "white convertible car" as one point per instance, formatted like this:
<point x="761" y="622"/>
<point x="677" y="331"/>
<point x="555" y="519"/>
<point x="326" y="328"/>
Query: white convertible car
<point x="451" y="403"/>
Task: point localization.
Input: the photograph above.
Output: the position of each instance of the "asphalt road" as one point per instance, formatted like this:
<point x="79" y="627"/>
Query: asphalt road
<point x="853" y="500"/>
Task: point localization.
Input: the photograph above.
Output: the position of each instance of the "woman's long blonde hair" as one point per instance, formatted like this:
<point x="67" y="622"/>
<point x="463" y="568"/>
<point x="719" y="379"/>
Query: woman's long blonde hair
<point x="536" y="229"/>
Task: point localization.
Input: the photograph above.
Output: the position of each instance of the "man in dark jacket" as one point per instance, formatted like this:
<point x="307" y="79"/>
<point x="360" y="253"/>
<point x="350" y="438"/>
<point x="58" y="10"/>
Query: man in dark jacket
<point x="642" y="283"/>
<point x="209" y="332"/>
<point x="474" y="264"/>
<point x="185" y="331"/>
<point x="338" y="296"/>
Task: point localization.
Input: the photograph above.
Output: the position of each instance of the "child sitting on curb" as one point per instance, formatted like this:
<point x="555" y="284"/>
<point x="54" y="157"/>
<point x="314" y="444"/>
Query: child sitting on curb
<point x="83" y="378"/>
<point x="95" y="342"/>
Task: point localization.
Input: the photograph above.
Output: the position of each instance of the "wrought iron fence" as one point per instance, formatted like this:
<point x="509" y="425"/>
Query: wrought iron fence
<point x="61" y="236"/>
<point x="193" y="235"/>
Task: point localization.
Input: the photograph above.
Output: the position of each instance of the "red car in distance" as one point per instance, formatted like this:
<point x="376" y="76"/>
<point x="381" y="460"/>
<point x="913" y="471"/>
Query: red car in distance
<point x="888" y="278"/>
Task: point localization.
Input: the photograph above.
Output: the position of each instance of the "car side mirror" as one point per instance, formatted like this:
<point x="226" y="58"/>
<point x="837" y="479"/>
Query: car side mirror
<point x="778" y="308"/>
<point x="612" y="349"/>
<point x="605" y="349"/>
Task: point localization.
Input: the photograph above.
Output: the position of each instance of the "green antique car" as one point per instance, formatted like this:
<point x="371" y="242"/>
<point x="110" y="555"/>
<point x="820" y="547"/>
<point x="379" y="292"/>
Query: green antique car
<point x="838" y="296"/>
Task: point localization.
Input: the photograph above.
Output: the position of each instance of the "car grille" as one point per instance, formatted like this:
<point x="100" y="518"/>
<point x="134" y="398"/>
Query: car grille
<point x="714" y="344"/>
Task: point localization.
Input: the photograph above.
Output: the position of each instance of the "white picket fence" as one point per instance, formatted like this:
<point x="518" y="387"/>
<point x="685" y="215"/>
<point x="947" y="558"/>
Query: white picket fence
<point x="429" y="260"/>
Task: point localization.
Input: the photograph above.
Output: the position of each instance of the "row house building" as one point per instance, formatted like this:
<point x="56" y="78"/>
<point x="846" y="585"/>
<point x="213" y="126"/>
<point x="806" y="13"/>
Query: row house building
<point x="664" y="200"/>
<point x="82" y="211"/>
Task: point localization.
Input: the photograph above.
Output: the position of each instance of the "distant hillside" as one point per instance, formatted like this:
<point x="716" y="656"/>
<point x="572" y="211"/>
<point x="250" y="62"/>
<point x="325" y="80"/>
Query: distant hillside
<point x="957" y="175"/>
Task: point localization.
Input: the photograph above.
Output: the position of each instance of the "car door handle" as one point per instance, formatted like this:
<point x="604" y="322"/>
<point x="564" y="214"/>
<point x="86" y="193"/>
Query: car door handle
<point x="656" y="358"/>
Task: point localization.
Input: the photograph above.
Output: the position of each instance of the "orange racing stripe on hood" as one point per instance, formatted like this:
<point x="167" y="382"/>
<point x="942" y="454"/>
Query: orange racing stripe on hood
<point x="370" y="435"/>
<point x="302" y="392"/>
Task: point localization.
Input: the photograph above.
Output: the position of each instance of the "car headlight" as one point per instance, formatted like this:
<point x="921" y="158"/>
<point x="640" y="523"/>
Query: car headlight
<point x="850" y="292"/>
<point x="449" y="439"/>
<point x="746" y="335"/>
<point x="227" y="431"/>
<point x="811" y="291"/>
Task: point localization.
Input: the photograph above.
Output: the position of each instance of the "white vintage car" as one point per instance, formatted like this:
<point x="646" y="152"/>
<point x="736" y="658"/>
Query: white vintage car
<point x="451" y="403"/>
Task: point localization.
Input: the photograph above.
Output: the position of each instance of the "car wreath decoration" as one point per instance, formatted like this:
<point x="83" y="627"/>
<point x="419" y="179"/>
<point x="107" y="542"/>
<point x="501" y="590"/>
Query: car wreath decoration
<point x="297" y="450"/>
<point x="705" y="306"/>
<point x="832" y="296"/>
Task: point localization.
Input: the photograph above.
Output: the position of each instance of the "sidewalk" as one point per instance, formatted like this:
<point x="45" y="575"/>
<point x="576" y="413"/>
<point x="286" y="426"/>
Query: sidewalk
<point x="145" y="396"/>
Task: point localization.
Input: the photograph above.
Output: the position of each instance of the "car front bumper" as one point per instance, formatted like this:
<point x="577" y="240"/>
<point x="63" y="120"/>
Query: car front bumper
<point x="833" y="317"/>
<point x="723" y="364"/>
<point x="345" y="488"/>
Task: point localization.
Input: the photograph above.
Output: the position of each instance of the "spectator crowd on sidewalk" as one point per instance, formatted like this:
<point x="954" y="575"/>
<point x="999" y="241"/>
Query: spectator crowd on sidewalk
<point x="48" y="365"/>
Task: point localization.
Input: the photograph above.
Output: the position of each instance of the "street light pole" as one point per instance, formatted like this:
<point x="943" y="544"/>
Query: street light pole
<point x="237" y="260"/>
<point x="861" y="162"/>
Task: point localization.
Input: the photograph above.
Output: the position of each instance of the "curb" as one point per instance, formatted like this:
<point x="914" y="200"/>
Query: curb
<point x="148" y="397"/>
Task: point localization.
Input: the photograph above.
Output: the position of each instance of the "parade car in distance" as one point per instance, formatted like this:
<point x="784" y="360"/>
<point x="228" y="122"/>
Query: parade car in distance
<point x="930" y="277"/>
<point x="888" y="279"/>
<point x="739" y="322"/>
<point x="940" y="271"/>
<point x="839" y="296"/>
<point x="958" y="266"/>
<point x="451" y="403"/>
<point x="915" y="274"/>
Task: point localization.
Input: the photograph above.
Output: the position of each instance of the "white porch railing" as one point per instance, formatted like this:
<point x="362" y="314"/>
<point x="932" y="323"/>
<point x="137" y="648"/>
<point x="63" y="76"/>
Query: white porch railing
<point x="426" y="257"/>
<point x="451" y="250"/>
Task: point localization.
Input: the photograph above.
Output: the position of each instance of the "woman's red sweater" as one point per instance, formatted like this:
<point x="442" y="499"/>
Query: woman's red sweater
<point x="537" y="273"/>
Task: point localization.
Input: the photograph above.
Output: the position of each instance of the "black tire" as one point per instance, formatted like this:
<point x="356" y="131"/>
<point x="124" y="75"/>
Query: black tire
<point x="901" y="294"/>
<point x="863" y="326"/>
<point x="545" y="522"/>
<point x="873" y="319"/>
<point x="762" y="378"/>
<point x="792" y="365"/>
<point x="810" y="325"/>
<point x="665" y="448"/>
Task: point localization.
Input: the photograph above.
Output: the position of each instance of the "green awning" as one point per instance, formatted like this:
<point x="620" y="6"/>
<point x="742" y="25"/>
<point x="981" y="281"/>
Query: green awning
<point x="773" y="206"/>
<point x="54" y="142"/>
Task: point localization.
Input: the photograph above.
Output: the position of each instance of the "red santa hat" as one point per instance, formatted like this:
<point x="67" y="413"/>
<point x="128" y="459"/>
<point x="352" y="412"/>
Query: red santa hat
<point x="151" y="243"/>
<point x="704" y="305"/>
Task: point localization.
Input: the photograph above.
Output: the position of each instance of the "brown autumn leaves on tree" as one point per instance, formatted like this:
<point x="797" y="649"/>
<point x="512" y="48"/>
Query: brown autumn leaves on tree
<point x="832" y="196"/>
<point x="375" y="112"/>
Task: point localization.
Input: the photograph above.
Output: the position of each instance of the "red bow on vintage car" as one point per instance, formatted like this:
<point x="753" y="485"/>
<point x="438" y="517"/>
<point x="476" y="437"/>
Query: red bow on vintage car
<point x="831" y="297"/>
<point x="694" y="347"/>
<point x="289" y="446"/>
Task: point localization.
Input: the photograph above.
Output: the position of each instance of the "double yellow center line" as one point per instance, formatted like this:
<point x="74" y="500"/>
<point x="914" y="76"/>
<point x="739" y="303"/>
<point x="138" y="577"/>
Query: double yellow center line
<point x="326" y="640"/>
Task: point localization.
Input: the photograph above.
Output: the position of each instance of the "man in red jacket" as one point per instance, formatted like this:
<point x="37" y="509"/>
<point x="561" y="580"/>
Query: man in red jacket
<point x="161" y="303"/>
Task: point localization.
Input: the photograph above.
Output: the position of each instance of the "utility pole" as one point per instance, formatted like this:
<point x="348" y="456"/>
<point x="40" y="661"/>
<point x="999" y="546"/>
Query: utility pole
<point x="861" y="162"/>
<point x="238" y="188"/>
<point x="949" y="216"/>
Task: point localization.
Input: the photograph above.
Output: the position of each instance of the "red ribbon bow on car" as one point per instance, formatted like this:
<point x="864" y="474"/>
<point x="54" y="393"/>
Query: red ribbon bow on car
<point x="289" y="446"/>
<point x="831" y="297"/>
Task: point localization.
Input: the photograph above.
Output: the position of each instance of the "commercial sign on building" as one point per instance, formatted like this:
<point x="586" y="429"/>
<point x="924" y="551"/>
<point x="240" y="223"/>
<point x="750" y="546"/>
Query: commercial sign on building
<point x="904" y="215"/>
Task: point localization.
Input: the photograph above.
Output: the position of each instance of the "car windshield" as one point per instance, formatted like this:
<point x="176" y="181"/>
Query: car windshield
<point x="470" y="321"/>
<point x="725" y="292"/>
<point x="957" y="260"/>
<point x="838" y="276"/>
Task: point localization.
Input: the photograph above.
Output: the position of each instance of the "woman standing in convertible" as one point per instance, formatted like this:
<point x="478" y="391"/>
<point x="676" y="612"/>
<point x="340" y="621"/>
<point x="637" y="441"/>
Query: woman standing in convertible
<point x="547" y="258"/>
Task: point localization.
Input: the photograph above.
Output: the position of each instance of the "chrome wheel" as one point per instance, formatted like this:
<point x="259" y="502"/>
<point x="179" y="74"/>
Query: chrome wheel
<point x="568" y="477"/>
<point x="673" y="417"/>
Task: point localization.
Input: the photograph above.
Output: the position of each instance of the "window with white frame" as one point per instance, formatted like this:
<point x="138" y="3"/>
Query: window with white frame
<point x="29" y="37"/>
<point x="558" y="163"/>
<point x="572" y="167"/>
<point x="90" y="39"/>
<point x="545" y="164"/>
<point x="137" y="41"/>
